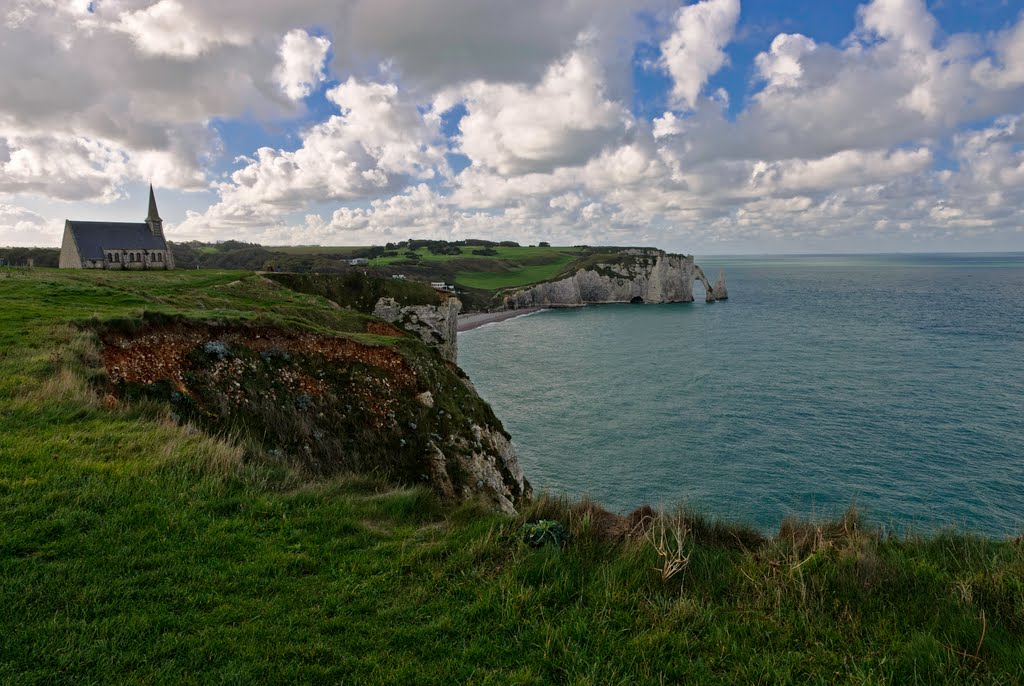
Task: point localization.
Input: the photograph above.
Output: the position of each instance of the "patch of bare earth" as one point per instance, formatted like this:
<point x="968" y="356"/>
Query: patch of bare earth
<point x="160" y="353"/>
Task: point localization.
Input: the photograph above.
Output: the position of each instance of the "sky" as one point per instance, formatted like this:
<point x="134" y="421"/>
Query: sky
<point x="710" y="127"/>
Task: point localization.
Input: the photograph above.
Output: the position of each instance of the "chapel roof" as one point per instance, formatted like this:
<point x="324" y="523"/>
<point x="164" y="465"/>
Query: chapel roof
<point x="92" y="238"/>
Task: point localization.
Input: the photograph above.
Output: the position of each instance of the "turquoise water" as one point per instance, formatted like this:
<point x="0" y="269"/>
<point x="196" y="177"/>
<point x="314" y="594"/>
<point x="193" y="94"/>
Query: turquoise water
<point x="895" y="382"/>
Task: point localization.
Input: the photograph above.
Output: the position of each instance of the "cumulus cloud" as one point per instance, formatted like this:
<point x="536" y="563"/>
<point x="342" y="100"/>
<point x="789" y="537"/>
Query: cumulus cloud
<point x="67" y="167"/>
<point x="695" y="50"/>
<point x="302" y="63"/>
<point x="376" y="145"/>
<point x="1007" y="70"/>
<point x="563" y="120"/>
<point x="907" y="22"/>
<point x="169" y="28"/>
<point x="781" y="66"/>
<point x="992" y="158"/>
<point x="889" y="85"/>
<point x="903" y="131"/>
<point x="155" y="76"/>
<point x="844" y="169"/>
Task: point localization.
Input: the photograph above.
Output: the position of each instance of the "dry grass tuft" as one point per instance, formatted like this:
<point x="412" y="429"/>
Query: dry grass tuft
<point x="66" y="386"/>
<point x="669" y="535"/>
<point x="211" y="455"/>
<point x="802" y="538"/>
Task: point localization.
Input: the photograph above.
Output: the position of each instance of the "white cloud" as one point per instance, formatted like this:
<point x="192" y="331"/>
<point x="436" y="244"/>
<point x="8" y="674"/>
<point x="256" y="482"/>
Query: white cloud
<point x="845" y="169"/>
<point x="168" y="28"/>
<point x="830" y="144"/>
<point x="378" y="144"/>
<point x="695" y="50"/>
<point x="668" y="124"/>
<point x="992" y="158"/>
<point x="881" y="90"/>
<point x="67" y="167"/>
<point x="1008" y="69"/>
<point x="907" y="22"/>
<point x="780" y="67"/>
<point x="563" y="120"/>
<point x="301" y="67"/>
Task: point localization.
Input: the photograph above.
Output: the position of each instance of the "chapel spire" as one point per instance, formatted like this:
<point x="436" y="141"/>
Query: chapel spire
<point x="153" y="215"/>
<point x="156" y="224"/>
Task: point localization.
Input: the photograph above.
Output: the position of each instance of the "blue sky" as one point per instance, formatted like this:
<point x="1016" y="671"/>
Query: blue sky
<point x="716" y="126"/>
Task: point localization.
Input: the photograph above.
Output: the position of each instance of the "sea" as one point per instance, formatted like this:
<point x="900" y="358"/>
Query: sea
<point x="892" y="383"/>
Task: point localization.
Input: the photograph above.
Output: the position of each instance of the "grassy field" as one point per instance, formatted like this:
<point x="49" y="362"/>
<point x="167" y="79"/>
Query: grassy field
<point x="511" y="266"/>
<point x="135" y="550"/>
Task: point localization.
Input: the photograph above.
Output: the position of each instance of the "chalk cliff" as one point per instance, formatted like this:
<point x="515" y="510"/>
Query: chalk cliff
<point x="485" y="466"/>
<point x="435" y="325"/>
<point x="649" y="276"/>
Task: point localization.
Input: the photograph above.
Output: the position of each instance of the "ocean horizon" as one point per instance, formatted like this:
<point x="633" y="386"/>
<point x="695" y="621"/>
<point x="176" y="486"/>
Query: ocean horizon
<point x="889" y="381"/>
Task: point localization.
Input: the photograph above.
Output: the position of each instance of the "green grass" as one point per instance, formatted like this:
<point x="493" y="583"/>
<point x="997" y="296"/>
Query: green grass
<point x="516" y="276"/>
<point x="133" y="550"/>
<point x="509" y="267"/>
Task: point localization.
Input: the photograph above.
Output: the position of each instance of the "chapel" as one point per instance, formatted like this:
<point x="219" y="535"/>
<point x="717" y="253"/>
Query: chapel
<point x="117" y="245"/>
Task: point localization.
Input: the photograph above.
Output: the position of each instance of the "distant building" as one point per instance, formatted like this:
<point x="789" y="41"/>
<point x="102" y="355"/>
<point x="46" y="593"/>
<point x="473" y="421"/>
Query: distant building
<point x="117" y="245"/>
<point x="442" y="286"/>
<point x="359" y="262"/>
<point x="398" y="276"/>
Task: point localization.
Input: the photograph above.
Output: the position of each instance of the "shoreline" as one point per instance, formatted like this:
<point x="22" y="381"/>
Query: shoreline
<point x="474" y="320"/>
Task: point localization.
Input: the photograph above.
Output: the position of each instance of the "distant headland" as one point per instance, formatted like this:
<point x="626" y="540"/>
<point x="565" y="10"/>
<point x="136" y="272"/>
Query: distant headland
<point x="485" y="276"/>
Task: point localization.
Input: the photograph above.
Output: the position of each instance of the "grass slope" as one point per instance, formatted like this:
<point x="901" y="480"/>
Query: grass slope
<point x="133" y="550"/>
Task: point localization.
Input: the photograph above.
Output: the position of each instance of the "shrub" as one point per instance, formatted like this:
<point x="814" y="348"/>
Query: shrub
<point x="545" y="532"/>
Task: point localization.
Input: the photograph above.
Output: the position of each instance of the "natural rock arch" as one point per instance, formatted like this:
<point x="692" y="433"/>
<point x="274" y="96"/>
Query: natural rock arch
<point x="709" y="292"/>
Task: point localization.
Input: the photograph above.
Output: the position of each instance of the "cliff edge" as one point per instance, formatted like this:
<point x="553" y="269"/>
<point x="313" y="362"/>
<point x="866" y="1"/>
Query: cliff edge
<point x="380" y="402"/>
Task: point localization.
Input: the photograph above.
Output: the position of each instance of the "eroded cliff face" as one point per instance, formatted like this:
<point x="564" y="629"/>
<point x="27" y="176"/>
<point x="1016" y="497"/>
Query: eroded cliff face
<point x="650" y="276"/>
<point x="435" y="325"/>
<point x="324" y="404"/>
<point x="485" y="466"/>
